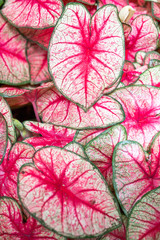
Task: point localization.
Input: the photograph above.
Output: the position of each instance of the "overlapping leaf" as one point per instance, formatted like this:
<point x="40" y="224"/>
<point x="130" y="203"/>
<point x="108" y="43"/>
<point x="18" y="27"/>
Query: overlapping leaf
<point x="37" y="58"/>
<point x="86" y="54"/>
<point x="13" y="226"/>
<point x="19" y="154"/>
<point x="6" y="112"/>
<point x="50" y="135"/>
<point x="150" y="77"/>
<point x="156" y="10"/>
<point x="67" y="194"/>
<point x="100" y="150"/>
<point x="3" y="137"/>
<point x="135" y="171"/>
<point x="144" y="220"/>
<point x="14" y="68"/>
<point x="142" y="37"/>
<point x="33" y="14"/>
<point x="76" y="148"/>
<point x="142" y="111"/>
<point x="54" y="108"/>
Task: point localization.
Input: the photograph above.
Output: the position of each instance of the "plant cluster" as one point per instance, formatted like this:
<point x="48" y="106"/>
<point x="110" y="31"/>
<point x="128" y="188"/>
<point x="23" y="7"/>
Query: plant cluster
<point x="79" y="119"/>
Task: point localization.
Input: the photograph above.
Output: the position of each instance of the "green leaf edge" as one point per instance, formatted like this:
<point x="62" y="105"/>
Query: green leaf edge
<point x="6" y="126"/>
<point x="51" y="229"/>
<point x="121" y="71"/>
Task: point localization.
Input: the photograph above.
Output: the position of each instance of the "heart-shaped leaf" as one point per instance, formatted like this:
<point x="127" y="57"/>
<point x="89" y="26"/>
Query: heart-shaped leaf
<point x="135" y="171"/>
<point x="144" y="220"/>
<point x="149" y="56"/>
<point x="3" y="137"/>
<point x="67" y="194"/>
<point x="142" y="111"/>
<point x="6" y="112"/>
<point x="14" y="68"/>
<point x="156" y="10"/>
<point x="150" y="77"/>
<point x="37" y="58"/>
<point x="86" y="54"/>
<point x="56" y="109"/>
<point x="19" y="154"/>
<point x="33" y="14"/>
<point x="13" y="226"/>
<point x="100" y="150"/>
<point x="142" y="37"/>
<point x="76" y="148"/>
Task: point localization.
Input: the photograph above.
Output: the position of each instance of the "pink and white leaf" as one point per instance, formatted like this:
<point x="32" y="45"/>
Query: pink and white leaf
<point x="54" y="108"/>
<point x="3" y="137"/>
<point x="143" y="37"/>
<point x="135" y="171"/>
<point x="10" y="91"/>
<point x="39" y="36"/>
<point x="86" y="54"/>
<point x="144" y="220"/>
<point x="150" y="77"/>
<point x="14" y="68"/>
<point x="67" y="194"/>
<point x="100" y="150"/>
<point x="37" y="58"/>
<point x="118" y="4"/>
<point x="76" y="148"/>
<point x="33" y="14"/>
<point x="12" y="225"/>
<point x="150" y="56"/>
<point x="156" y="10"/>
<point x="139" y="57"/>
<point x="6" y="112"/>
<point x="84" y="136"/>
<point x="20" y="154"/>
<point x="142" y="111"/>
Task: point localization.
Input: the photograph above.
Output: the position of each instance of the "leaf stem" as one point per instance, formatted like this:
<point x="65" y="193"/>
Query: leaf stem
<point x="35" y="111"/>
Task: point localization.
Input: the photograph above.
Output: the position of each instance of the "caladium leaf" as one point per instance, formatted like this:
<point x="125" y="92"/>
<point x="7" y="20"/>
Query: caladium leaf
<point x="19" y="154"/>
<point x="144" y="220"/>
<point x="39" y="14"/>
<point x="76" y="148"/>
<point x="14" y="68"/>
<point x="150" y="77"/>
<point x="3" y="137"/>
<point x="149" y="56"/>
<point x="6" y="112"/>
<point x="13" y="226"/>
<point x="135" y="172"/>
<point x="37" y="58"/>
<point x="51" y="135"/>
<point x="40" y="36"/>
<point x="139" y="57"/>
<point x="142" y="111"/>
<point x="67" y="194"/>
<point x="100" y="150"/>
<point x="156" y="10"/>
<point x="84" y="136"/>
<point x="56" y="109"/>
<point x="142" y="37"/>
<point x="10" y="91"/>
<point x="118" y="4"/>
<point x="86" y="54"/>
<point x="112" y="88"/>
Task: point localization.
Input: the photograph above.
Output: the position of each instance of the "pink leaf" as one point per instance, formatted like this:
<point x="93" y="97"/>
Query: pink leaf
<point x="76" y="148"/>
<point x="33" y="14"/>
<point x="37" y="58"/>
<point x="142" y="111"/>
<point x="156" y="10"/>
<point x="13" y="226"/>
<point x="142" y="37"/>
<point x="86" y="54"/>
<point x="19" y="154"/>
<point x="40" y="36"/>
<point x="14" y="69"/>
<point x="6" y="112"/>
<point x="3" y="137"/>
<point x="119" y="4"/>
<point x="135" y="171"/>
<point x="67" y="194"/>
<point x="100" y="150"/>
<point x="54" y="108"/>
<point x="150" y="77"/>
<point x="144" y="220"/>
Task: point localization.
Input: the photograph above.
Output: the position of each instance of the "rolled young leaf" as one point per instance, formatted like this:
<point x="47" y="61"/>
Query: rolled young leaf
<point x="86" y="54"/>
<point x="67" y="194"/>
